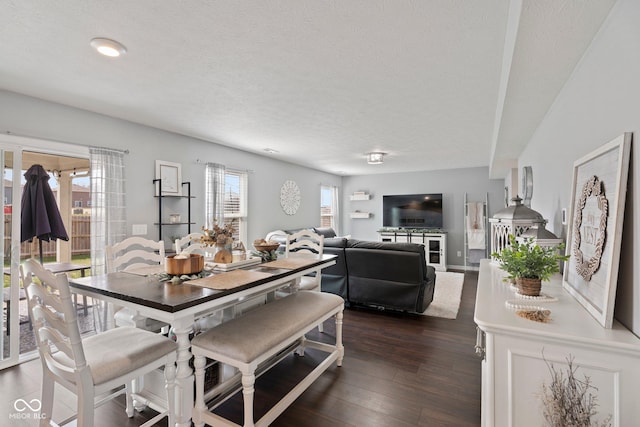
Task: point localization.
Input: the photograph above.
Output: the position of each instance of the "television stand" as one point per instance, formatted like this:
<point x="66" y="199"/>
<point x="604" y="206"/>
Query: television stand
<point x="434" y="241"/>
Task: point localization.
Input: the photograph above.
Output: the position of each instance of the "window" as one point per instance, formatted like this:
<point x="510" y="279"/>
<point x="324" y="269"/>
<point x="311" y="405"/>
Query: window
<point x="235" y="203"/>
<point x="329" y="207"/>
<point x="77" y="203"/>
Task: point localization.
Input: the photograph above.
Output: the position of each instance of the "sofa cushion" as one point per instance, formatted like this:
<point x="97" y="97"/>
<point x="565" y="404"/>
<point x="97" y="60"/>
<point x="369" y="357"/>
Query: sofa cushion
<point x="295" y="230"/>
<point x="391" y="246"/>
<point x="327" y="232"/>
<point x="386" y="266"/>
<point x="335" y="242"/>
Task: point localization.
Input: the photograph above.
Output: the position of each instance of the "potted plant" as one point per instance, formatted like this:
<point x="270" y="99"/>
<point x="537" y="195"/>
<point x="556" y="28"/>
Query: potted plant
<point x="529" y="264"/>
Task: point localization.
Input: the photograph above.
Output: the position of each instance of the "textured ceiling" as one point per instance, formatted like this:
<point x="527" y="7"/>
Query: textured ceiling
<point x="435" y="84"/>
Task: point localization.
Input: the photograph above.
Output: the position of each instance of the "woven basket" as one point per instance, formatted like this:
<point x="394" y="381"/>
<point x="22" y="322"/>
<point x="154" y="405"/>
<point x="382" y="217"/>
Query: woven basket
<point x="529" y="287"/>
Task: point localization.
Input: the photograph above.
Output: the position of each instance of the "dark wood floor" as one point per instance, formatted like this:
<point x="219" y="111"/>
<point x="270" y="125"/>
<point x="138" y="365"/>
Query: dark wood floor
<point x="399" y="370"/>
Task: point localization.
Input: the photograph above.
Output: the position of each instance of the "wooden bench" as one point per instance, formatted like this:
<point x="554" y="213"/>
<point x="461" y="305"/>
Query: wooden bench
<point x="248" y="341"/>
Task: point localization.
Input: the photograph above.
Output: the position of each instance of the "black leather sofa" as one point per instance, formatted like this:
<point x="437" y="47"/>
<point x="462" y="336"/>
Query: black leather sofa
<point x="382" y="275"/>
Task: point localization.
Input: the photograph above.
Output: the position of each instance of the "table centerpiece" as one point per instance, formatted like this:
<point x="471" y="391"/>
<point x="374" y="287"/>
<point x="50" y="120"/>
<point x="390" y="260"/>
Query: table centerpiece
<point x="221" y="239"/>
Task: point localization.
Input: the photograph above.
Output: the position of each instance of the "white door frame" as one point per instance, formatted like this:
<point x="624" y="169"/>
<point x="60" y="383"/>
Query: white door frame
<point x="16" y="145"/>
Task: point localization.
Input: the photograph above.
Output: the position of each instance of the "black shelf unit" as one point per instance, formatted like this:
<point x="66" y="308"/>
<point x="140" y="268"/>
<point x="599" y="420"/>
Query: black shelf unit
<point x="158" y="183"/>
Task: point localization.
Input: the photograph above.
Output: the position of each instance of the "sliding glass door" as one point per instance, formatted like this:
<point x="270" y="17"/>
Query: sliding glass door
<point x="12" y="314"/>
<point x="68" y="167"/>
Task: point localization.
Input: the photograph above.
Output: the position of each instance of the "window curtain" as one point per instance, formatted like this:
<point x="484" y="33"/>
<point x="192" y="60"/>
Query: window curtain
<point x="108" y="206"/>
<point x="336" y="209"/>
<point x="214" y="194"/>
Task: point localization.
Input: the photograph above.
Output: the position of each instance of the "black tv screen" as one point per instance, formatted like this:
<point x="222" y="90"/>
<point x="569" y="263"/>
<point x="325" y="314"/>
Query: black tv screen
<point x="412" y="211"/>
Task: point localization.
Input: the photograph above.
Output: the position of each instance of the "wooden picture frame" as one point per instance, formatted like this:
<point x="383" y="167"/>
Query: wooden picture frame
<point x="171" y="176"/>
<point x="595" y="230"/>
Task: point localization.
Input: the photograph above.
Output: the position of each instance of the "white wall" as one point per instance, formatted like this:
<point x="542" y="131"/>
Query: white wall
<point x="22" y="115"/>
<point x="452" y="183"/>
<point x="599" y="103"/>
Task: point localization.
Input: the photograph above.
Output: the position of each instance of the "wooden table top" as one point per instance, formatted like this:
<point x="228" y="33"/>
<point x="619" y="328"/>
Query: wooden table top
<point x="150" y="292"/>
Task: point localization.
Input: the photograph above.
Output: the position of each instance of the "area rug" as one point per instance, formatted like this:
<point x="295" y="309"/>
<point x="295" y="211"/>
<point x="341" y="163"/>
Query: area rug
<point x="446" y="298"/>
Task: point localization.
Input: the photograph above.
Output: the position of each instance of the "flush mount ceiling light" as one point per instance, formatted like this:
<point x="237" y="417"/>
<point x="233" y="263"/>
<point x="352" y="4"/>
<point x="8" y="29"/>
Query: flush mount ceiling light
<point x="375" y="158"/>
<point x="108" y="47"/>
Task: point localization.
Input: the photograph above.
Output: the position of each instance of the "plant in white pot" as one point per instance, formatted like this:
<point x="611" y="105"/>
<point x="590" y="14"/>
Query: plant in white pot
<point x="529" y="264"/>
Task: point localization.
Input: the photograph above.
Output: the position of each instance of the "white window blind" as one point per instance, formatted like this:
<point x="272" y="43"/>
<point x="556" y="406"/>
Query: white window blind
<point x="235" y="202"/>
<point x="329" y="207"/>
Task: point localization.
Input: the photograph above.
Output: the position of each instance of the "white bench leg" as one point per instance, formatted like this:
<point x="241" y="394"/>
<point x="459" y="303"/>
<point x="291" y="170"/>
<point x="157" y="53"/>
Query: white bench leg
<point x="300" y="350"/>
<point x="199" y="363"/>
<point x="129" y="409"/>
<point x="137" y="387"/>
<point x="248" y="380"/>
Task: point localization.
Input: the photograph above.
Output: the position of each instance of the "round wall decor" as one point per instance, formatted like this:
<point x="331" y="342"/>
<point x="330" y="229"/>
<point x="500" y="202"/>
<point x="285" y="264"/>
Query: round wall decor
<point x="290" y="197"/>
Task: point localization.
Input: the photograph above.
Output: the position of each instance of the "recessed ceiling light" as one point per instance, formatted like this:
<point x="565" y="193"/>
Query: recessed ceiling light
<point x="108" y="47"/>
<point x="271" y="151"/>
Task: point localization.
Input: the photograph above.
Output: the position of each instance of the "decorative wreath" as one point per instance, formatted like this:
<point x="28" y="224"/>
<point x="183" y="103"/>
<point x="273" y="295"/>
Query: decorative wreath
<point x="587" y="268"/>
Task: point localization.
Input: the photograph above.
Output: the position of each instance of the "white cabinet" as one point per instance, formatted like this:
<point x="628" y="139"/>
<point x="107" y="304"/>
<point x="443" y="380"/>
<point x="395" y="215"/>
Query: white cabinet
<point x="402" y="238"/>
<point x="519" y="354"/>
<point x="385" y="236"/>
<point x="435" y="245"/>
<point x="435" y="248"/>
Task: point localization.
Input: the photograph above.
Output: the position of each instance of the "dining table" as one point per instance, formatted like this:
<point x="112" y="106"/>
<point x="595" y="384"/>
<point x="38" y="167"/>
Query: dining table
<point x="180" y="304"/>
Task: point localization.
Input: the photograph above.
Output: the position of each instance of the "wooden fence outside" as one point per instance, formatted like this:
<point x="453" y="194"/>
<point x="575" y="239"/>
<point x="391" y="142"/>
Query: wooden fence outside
<point x="80" y="234"/>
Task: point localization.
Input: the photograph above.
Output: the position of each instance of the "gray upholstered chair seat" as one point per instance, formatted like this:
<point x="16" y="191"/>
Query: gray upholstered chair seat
<point x="115" y="352"/>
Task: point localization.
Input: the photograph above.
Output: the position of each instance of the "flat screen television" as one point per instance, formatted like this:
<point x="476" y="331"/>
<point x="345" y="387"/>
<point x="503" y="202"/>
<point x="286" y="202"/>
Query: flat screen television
<point x="412" y="211"/>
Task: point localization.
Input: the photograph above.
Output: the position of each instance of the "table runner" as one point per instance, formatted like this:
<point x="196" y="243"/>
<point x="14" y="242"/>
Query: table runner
<point x="229" y="280"/>
<point x="146" y="270"/>
<point x="292" y="262"/>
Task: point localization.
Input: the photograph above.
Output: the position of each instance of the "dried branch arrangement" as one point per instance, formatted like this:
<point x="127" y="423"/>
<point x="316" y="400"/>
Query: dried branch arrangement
<point x="218" y="235"/>
<point x="569" y="401"/>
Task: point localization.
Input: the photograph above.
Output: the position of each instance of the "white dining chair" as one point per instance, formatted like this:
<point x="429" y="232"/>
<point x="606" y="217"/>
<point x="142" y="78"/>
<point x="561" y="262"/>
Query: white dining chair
<point x="94" y="368"/>
<point x="190" y="243"/>
<point x="134" y="252"/>
<point x="307" y="242"/>
<point x="131" y="254"/>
